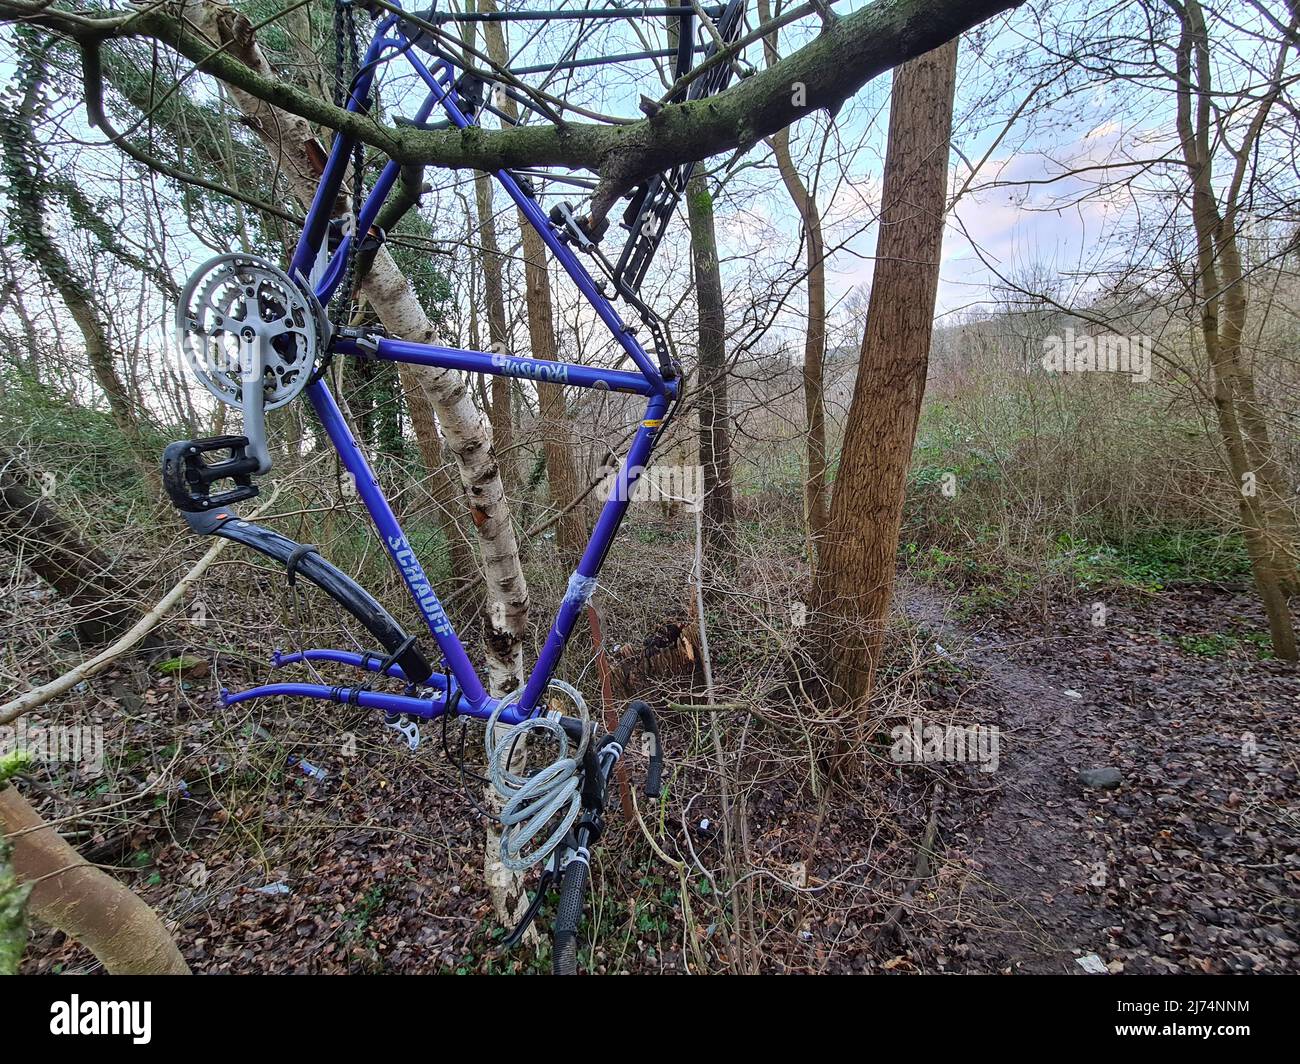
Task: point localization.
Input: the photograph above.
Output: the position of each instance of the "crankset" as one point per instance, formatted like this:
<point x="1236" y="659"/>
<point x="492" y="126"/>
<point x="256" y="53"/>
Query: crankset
<point x="252" y="336"/>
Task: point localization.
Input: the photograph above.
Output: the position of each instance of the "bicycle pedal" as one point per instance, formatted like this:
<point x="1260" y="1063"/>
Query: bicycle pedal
<point x="188" y="477"/>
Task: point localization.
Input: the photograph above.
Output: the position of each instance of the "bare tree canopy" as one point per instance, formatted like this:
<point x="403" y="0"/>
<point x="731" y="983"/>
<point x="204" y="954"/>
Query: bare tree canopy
<point x="821" y="75"/>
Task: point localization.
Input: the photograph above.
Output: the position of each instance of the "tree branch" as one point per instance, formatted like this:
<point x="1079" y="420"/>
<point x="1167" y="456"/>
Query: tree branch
<point x="821" y="75"/>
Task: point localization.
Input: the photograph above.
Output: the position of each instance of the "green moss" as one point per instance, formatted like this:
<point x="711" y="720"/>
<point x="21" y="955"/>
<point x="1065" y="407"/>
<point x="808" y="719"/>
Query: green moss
<point x="699" y="197"/>
<point x="13" y="914"/>
<point x="12" y="763"/>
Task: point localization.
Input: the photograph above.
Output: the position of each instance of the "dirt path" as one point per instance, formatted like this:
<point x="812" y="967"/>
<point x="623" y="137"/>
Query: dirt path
<point x="1027" y="863"/>
<point x="1192" y="863"/>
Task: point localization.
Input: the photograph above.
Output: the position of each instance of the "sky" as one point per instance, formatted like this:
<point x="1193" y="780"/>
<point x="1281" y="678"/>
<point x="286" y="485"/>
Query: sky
<point x="1010" y="221"/>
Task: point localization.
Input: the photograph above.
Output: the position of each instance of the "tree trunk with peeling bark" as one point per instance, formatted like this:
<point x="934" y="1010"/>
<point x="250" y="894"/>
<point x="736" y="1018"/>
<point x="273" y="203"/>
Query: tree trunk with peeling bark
<point x="557" y="448"/>
<point x="855" y="571"/>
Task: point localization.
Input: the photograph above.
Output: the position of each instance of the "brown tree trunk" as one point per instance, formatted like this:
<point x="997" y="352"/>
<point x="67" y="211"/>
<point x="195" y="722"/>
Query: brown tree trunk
<point x="500" y="412"/>
<point x="814" y="347"/>
<point x="1267" y="525"/>
<point x="32" y="529"/>
<point x="715" y="413"/>
<point x="855" y="572"/>
<point x="123" y="933"/>
<point x="557" y="437"/>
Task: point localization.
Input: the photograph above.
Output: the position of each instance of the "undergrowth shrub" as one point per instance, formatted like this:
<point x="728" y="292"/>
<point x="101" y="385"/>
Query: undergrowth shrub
<point x="1023" y="483"/>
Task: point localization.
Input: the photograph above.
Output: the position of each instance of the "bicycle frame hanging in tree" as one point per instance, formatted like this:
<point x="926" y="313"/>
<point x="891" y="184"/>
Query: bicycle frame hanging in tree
<point x="460" y="96"/>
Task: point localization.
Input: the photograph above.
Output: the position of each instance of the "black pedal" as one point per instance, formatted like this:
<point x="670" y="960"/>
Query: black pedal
<point x="188" y="477"/>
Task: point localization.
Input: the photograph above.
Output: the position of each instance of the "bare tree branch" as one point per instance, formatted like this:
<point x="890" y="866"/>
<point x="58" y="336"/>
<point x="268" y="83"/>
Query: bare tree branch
<point x="822" y="75"/>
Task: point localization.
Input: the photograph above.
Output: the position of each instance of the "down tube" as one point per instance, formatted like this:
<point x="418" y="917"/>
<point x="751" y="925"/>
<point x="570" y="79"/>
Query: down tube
<point x="583" y="582"/>
<point x="395" y="543"/>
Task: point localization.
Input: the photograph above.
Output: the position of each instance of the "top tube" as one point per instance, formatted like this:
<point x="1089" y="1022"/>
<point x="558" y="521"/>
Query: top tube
<point x="442" y="92"/>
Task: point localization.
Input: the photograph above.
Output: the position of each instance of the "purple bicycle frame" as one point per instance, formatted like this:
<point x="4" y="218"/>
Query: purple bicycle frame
<point x="465" y="692"/>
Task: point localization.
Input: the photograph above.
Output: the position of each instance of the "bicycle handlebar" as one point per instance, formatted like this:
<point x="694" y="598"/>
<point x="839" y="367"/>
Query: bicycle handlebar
<point x="640" y="712"/>
<point x="577" y="873"/>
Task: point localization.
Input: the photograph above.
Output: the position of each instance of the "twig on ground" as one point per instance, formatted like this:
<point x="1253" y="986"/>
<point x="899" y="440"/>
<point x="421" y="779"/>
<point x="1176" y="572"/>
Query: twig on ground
<point x="38" y="696"/>
<point x="892" y="925"/>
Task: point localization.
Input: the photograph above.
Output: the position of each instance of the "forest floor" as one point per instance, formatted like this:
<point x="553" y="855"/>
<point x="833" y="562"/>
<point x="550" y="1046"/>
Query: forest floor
<point x="1190" y="864"/>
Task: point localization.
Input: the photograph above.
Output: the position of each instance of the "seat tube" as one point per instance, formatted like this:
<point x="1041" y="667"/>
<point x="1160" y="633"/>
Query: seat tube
<point x="395" y="543"/>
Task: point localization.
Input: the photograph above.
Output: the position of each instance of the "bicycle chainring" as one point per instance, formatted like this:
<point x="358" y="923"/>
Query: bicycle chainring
<point x="236" y="301"/>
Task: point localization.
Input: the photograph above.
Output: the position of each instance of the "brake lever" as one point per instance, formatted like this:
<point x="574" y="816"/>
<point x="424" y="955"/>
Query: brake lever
<point x="530" y="914"/>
